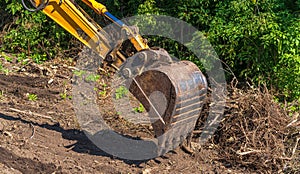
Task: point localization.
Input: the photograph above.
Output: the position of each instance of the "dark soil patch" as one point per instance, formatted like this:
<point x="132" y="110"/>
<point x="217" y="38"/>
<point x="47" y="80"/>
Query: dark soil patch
<point x="25" y="165"/>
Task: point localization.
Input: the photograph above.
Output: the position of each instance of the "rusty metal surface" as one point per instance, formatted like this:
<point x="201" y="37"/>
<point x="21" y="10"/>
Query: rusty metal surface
<point x="180" y="83"/>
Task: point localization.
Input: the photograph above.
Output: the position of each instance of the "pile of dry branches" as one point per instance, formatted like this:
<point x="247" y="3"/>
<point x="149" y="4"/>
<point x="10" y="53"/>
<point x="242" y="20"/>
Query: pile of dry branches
<point x="254" y="133"/>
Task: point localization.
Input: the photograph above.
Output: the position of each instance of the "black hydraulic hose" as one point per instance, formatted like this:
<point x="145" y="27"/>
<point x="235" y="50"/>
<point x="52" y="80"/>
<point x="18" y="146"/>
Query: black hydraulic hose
<point x="38" y="8"/>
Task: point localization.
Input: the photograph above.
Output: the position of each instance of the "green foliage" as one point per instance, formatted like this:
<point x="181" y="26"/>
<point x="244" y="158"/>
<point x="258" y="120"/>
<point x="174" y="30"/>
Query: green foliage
<point x="6" y="57"/>
<point x="32" y="34"/>
<point x="121" y="8"/>
<point x="103" y="92"/>
<point x="92" y="77"/>
<point x="65" y="96"/>
<point x="1" y="95"/>
<point x="4" y="70"/>
<point x="79" y="73"/>
<point x="139" y="109"/>
<point x="148" y="7"/>
<point x="258" y="40"/>
<point x="121" y="92"/>
<point x="32" y="97"/>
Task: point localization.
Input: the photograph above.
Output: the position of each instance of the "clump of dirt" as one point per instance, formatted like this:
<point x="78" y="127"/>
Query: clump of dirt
<point x="254" y="134"/>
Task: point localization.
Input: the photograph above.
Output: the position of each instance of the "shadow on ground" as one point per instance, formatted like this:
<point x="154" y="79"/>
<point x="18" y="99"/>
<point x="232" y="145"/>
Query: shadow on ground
<point x="82" y="145"/>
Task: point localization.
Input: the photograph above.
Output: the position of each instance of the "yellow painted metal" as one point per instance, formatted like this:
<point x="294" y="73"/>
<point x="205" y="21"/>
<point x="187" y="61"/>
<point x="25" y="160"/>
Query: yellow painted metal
<point x="96" y="6"/>
<point x="136" y="39"/>
<point x="138" y="43"/>
<point x="76" y="22"/>
<point x="65" y="13"/>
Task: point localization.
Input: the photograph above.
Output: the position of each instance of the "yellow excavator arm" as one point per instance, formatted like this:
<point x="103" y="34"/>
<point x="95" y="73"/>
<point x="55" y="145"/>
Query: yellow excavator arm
<point x="73" y="19"/>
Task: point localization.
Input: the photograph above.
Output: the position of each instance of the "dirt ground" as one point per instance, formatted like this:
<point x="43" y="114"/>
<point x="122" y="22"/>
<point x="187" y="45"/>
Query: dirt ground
<point x="41" y="135"/>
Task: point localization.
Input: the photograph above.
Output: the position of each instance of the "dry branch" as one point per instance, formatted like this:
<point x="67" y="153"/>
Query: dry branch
<point x="253" y="132"/>
<point x="31" y="113"/>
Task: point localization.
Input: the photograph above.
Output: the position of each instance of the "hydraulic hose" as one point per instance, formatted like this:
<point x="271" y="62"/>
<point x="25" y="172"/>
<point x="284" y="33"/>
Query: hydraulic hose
<point x="38" y="8"/>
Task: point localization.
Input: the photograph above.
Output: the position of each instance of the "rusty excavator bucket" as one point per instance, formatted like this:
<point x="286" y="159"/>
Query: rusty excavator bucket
<point x="171" y="91"/>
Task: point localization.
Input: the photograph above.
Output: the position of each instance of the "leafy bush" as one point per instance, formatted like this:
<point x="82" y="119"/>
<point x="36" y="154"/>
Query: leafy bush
<point x="32" y="34"/>
<point x="258" y="40"/>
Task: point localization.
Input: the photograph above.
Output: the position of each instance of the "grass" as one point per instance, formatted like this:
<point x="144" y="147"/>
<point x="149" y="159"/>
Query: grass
<point x="121" y="92"/>
<point x="139" y="109"/>
<point x="79" y="73"/>
<point x="32" y="97"/>
<point x="4" y="70"/>
<point x="92" y="78"/>
<point x="64" y="96"/>
<point x="103" y="92"/>
<point x="6" y="57"/>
